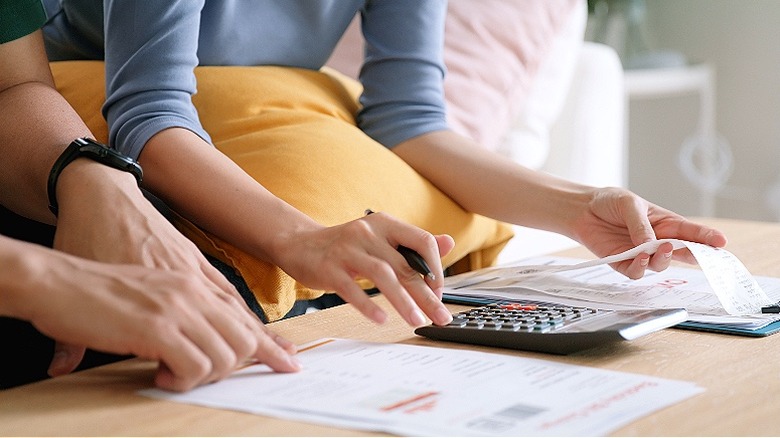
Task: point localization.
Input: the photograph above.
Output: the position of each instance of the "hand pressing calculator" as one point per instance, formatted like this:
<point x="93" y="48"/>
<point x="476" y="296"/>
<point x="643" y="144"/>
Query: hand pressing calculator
<point x="550" y="328"/>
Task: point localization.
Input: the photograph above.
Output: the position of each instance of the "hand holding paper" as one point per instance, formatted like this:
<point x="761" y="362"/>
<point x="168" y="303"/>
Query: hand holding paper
<point x="614" y="221"/>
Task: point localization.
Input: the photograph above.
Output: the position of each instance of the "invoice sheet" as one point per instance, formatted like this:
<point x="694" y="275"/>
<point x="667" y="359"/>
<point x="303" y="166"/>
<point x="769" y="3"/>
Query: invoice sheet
<point x="419" y="390"/>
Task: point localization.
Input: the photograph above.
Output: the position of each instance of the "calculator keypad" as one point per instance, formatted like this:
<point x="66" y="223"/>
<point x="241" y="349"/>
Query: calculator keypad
<point x="518" y="317"/>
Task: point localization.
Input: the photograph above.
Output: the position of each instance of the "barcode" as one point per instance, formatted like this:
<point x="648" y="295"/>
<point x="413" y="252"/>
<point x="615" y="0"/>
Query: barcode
<point x="520" y="411"/>
<point x="505" y="419"/>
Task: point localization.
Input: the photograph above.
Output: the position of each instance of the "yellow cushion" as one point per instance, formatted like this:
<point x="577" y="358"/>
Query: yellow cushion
<point x="294" y="131"/>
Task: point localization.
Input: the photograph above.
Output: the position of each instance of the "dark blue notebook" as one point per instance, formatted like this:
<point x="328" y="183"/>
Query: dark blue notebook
<point x="766" y="330"/>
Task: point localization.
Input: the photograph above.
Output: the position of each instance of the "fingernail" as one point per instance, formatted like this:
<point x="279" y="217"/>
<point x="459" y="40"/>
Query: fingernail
<point x="443" y="316"/>
<point x="295" y="363"/>
<point x="668" y="255"/>
<point x="644" y="261"/>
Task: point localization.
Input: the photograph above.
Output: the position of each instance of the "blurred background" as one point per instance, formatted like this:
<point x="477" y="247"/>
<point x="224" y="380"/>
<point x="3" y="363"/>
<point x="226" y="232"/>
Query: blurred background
<point x="703" y="100"/>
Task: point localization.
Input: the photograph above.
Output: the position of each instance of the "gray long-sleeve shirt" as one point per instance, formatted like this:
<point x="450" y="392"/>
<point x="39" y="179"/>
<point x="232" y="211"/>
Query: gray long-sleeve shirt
<point x="152" y="47"/>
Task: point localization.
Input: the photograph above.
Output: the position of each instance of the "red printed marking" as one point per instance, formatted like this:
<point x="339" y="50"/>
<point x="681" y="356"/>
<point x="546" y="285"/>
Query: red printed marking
<point x="409" y="401"/>
<point x="671" y="283"/>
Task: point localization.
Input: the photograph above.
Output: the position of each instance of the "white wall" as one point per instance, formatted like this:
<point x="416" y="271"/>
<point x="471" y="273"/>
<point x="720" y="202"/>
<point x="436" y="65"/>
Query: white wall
<point x="741" y="38"/>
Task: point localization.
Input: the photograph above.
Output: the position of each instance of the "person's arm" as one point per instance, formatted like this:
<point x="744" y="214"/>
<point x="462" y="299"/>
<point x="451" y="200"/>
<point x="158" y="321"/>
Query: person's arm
<point x="403" y="71"/>
<point x="606" y="220"/>
<point x="155" y="66"/>
<point x="327" y="258"/>
<point x="36" y="123"/>
<point x="150" y="81"/>
<point x="404" y="110"/>
<point x="130" y="309"/>
<point x="488" y="184"/>
<point x="102" y="213"/>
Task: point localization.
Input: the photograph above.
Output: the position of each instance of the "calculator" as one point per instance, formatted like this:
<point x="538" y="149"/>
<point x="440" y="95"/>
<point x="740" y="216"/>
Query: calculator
<point x="550" y="327"/>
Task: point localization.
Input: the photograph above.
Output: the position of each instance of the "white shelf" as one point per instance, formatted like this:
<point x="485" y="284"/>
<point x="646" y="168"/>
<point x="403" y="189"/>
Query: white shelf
<point x="664" y="82"/>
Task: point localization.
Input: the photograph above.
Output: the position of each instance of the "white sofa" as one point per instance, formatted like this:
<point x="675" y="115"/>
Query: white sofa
<point x="563" y="102"/>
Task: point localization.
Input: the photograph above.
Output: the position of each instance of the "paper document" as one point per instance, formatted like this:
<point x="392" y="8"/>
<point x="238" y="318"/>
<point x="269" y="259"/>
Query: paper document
<point x="722" y="291"/>
<point x="417" y="390"/>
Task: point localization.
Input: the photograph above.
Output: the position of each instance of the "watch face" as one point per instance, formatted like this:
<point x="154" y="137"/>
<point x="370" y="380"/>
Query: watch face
<point x="103" y="154"/>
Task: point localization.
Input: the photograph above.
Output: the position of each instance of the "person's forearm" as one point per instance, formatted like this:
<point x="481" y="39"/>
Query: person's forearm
<point x="485" y="183"/>
<point x="36" y="125"/>
<point x="34" y="135"/>
<point x="203" y="185"/>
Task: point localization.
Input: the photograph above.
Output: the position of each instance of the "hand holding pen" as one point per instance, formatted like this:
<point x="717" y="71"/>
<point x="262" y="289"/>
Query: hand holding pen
<point x="412" y="257"/>
<point x="426" y="293"/>
<point x="401" y="260"/>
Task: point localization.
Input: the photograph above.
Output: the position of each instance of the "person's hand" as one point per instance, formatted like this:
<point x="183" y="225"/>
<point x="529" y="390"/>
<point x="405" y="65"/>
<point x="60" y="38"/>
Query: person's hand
<point x="332" y="258"/>
<point x="197" y="336"/>
<point x="106" y="218"/>
<point x="103" y="216"/>
<point x="616" y="220"/>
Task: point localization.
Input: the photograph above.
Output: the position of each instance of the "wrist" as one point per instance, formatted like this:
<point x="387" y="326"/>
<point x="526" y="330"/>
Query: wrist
<point x="565" y="205"/>
<point x="296" y="227"/>
<point x="85" y="185"/>
<point x="88" y="148"/>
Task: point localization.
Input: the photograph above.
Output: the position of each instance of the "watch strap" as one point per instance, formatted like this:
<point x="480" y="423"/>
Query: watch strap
<point x="86" y="147"/>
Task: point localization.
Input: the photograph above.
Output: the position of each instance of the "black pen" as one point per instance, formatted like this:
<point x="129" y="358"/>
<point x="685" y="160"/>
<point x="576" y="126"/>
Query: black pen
<point x="416" y="261"/>
<point x="772" y="308"/>
<point x="413" y="258"/>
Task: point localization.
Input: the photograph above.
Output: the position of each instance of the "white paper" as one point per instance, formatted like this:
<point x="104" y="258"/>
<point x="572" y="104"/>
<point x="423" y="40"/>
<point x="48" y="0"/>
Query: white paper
<point x="416" y="390"/>
<point x="722" y="291"/>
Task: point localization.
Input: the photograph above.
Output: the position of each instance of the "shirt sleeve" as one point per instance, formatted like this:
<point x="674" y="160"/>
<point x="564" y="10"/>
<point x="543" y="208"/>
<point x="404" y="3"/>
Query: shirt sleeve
<point x="151" y="54"/>
<point x="19" y="18"/>
<point x="403" y="71"/>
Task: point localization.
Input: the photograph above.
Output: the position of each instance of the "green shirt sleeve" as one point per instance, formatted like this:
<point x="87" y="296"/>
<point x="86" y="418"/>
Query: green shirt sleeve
<point x="19" y="18"/>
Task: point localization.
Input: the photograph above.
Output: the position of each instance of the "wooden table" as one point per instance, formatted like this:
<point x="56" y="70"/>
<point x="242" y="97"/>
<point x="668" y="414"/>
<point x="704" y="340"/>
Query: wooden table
<point x="740" y="375"/>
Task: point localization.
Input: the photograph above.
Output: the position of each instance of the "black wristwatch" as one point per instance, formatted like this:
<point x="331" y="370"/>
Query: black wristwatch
<point x="86" y="147"/>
